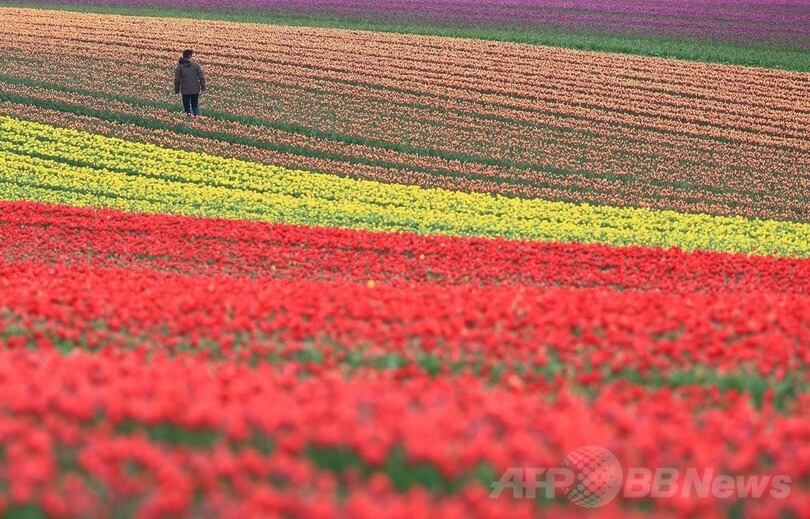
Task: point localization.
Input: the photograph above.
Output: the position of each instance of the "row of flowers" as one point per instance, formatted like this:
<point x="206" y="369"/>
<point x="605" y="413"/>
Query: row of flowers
<point x="316" y="399"/>
<point x="272" y="146"/>
<point x="491" y="67"/>
<point x="149" y="436"/>
<point x="48" y="164"/>
<point x="65" y="235"/>
<point x="767" y="24"/>
<point x="499" y="332"/>
<point x="471" y="109"/>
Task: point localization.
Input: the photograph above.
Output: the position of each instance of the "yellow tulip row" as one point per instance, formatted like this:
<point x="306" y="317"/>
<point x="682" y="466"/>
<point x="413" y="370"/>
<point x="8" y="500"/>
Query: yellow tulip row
<point x="43" y="163"/>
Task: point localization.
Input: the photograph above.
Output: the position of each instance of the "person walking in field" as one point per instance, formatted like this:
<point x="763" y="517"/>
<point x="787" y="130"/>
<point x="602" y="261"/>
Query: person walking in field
<point x="189" y="80"/>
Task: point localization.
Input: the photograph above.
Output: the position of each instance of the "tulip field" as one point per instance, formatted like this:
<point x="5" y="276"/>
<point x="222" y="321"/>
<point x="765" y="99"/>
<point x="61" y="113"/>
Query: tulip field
<point x="385" y="267"/>
<point x="763" y="33"/>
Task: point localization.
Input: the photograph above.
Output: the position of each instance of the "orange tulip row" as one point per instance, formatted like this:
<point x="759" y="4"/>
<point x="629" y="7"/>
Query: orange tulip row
<point x="470" y="115"/>
<point x="657" y="196"/>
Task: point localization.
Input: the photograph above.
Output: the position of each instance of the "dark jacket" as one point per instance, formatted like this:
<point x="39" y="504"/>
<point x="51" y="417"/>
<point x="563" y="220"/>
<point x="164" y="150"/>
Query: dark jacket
<point x="188" y="77"/>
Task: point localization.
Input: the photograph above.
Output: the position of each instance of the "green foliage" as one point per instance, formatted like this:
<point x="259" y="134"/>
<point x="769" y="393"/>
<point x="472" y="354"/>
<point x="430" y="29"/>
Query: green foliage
<point x="403" y="473"/>
<point x="24" y="512"/>
<point x="172" y="434"/>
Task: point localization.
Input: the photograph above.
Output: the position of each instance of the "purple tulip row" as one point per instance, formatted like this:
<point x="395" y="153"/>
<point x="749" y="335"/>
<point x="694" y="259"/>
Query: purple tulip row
<point x="776" y="22"/>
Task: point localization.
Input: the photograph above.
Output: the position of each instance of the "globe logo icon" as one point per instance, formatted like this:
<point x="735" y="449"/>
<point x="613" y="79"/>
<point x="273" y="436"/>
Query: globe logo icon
<point x="597" y="476"/>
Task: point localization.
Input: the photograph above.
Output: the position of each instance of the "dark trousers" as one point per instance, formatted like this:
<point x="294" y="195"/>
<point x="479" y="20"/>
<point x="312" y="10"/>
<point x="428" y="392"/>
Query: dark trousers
<point x="191" y="103"/>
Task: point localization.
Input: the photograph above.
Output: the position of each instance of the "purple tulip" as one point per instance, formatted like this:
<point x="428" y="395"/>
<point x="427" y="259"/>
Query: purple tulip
<point x="776" y="22"/>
